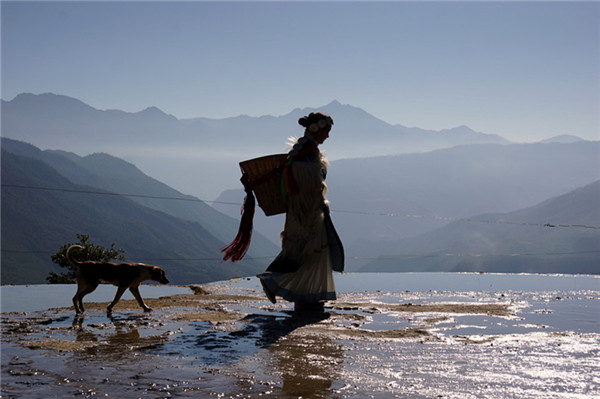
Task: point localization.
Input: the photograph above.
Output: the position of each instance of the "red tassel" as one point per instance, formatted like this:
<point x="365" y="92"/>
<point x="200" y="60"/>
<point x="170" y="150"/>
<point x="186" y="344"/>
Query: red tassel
<point x="239" y="246"/>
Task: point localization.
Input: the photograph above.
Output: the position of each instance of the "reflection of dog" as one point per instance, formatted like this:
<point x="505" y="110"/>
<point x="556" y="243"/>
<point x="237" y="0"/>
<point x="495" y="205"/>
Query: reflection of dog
<point x="123" y="275"/>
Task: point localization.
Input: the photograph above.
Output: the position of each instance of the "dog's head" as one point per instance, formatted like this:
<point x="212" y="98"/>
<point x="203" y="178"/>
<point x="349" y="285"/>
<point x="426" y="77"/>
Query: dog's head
<point x="159" y="275"/>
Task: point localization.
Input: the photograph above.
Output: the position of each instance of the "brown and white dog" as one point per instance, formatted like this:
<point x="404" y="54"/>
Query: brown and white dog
<point x="123" y="275"/>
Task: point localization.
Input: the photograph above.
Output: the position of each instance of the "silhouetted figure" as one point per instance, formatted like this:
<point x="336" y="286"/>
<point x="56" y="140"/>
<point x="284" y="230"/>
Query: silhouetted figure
<point x="310" y="247"/>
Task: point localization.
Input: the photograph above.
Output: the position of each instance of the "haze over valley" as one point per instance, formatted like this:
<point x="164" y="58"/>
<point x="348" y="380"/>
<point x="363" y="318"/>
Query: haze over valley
<point x="395" y="192"/>
<point x="200" y="156"/>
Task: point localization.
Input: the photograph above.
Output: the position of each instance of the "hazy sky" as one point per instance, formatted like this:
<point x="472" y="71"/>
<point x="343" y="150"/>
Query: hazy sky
<point x="526" y="71"/>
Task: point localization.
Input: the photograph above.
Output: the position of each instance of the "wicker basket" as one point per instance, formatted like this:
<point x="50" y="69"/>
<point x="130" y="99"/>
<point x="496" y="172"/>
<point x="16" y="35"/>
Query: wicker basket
<point x="264" y="174"/>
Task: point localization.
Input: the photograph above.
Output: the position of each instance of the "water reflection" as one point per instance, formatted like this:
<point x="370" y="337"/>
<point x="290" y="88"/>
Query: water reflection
<point x="114" y="342"/>
<point x="223" y="345"/>
<point x="299" y="363"/>
<point x="273" y="327"/>
<point x="309" y="365"/>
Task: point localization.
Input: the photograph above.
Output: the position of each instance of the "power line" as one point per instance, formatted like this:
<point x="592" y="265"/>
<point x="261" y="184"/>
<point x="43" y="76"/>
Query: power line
<point x="470" y="220"/>
<point x="462" y="255"/>
<point x="33" y="252"/>
<point x="67" y="190"/>
<point x="378" y="258"/>
<point x="386" y="214"/>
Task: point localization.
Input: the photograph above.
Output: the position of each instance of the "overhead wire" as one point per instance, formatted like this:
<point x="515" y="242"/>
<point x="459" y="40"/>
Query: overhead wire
<point x="386" y="214"/>
<point x="374" y="258"/>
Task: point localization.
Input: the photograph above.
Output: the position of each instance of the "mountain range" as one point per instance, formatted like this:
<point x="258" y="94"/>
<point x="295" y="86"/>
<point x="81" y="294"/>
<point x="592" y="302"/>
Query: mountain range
<point x="515" y="242"/>
<point x="158" y="224"/>
<point x="394" y="191"/>
<point x="200" y="156"/>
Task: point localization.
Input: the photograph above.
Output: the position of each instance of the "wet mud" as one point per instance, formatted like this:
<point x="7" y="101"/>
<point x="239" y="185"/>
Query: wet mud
<point x="225" y="341"/>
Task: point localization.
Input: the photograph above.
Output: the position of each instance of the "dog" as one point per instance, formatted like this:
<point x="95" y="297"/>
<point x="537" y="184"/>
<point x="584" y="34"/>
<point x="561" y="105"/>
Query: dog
<point x="123" y="275"/>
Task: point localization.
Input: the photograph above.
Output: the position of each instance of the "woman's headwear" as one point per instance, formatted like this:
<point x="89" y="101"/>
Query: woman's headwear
<point x="315" y="121"/>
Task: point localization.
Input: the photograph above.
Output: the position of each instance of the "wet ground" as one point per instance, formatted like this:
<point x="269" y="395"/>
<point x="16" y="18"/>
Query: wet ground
<point x="528" y="339"/>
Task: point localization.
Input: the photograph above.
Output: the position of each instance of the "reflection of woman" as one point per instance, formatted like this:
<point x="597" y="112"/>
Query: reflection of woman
<point x="308" y="366"/>
<point x="310" y="247"/>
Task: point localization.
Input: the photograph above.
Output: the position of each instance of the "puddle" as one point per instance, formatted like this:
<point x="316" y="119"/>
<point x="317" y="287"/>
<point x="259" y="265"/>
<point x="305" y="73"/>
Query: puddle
<point x="225" y="340"/>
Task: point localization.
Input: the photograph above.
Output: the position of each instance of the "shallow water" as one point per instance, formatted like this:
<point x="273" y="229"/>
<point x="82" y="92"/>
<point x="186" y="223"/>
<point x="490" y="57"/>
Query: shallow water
<point x="29" y="298"/>
<point x="388" y="335"/>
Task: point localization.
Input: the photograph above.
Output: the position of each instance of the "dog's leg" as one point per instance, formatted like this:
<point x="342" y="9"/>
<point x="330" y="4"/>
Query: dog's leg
<point x="76" y="303"/>
<point x="136" y="293"/>
<point x="78" y="298"/>
<point x="118" y="295"/>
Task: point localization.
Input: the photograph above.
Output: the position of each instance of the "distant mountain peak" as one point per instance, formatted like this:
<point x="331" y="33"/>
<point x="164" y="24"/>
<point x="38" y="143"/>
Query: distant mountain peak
<point x="564" y="139"/>
<point x="332" y="106"/>
<point x="154" y="112"/>
<point x="461" y="128"/>
<point x="47" y="98"/>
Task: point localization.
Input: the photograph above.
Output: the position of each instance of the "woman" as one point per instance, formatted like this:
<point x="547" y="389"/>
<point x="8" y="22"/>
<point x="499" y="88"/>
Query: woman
<point x="310" y="247"/>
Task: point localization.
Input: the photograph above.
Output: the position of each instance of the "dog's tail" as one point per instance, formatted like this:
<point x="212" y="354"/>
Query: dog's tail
<point x="70" y="257"/>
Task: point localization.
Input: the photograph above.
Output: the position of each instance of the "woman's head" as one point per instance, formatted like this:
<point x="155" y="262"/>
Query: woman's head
<point x="317" y="126"/>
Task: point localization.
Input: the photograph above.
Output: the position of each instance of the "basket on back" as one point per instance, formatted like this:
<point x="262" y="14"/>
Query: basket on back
<point x="260" y="177"/>
<point x="264" y="176"/>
